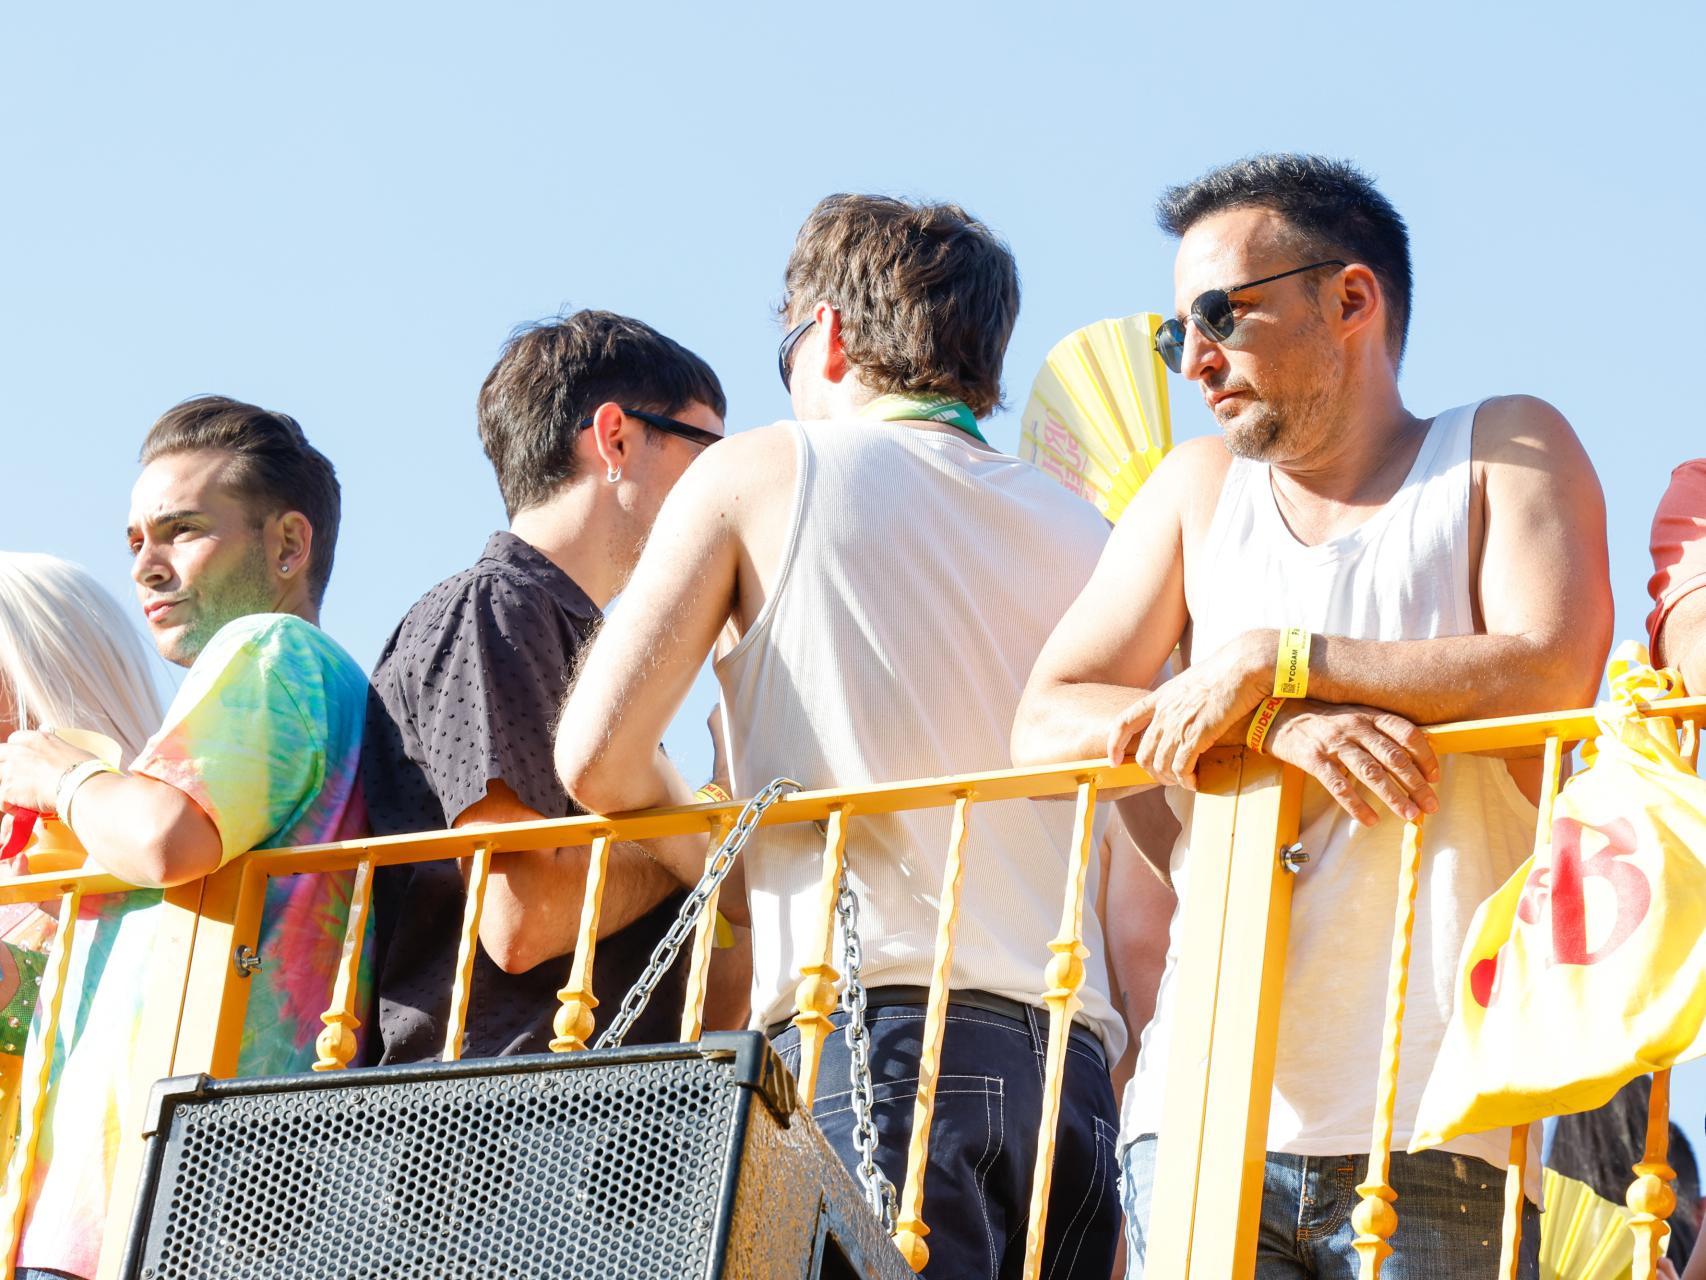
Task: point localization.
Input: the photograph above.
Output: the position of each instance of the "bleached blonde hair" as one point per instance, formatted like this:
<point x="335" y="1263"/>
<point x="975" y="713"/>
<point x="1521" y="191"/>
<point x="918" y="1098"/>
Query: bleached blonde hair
<point x="68" y="655"/>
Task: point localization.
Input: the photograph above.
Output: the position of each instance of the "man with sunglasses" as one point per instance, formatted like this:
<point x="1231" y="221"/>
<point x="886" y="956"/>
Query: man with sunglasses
<point x="884" y="579"/>
<point x="1339" y="570"/>
<point x="588" y="420"/>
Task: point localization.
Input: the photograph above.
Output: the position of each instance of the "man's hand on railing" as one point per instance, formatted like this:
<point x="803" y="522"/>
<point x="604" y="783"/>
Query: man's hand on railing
<point x="1341" y="746"/>
<point x="1209" y="702"/>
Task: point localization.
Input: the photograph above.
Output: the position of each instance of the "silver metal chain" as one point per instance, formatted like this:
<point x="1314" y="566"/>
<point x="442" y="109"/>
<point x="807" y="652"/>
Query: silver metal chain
<point x="879" y="1191"/>
<point x="716" y="870"/>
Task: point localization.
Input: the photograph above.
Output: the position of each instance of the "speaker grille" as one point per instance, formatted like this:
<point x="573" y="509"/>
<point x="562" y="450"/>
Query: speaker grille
<point x="503" y="1176"/>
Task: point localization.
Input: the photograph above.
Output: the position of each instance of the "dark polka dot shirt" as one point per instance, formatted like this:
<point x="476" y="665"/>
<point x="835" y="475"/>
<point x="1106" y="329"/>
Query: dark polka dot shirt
<point x="467" y="691"/>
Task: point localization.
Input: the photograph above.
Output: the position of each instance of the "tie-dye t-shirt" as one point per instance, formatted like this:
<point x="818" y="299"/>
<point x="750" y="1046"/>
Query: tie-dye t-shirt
<point x="265" y="737"/>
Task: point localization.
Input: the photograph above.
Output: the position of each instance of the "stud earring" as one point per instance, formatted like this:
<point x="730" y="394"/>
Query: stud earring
<point x="283" y="568"/>
<point x="613" y="474"/>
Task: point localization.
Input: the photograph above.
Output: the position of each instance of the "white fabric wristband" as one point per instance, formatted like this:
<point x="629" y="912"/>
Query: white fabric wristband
<point x="71" y="780"/>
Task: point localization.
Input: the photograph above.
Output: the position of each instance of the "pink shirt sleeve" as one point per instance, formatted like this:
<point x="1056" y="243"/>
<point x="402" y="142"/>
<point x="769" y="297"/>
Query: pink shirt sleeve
<point x="1678" y="543"/>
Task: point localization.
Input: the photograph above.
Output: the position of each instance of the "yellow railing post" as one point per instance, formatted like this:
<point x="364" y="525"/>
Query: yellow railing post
<point x="337" y="1043"/>
<point x="574" y="1020"/>
<point x="1516" y="1168"/>
<point x="1374" y="1219"/>
<point x="909" y="1225"/>
<point x="467" y="947"/>
<point x="1651" y="1198"/>
<point x="704" y="940"/>
<point x="1212" y="1154"/>
<point x="815" y="998"/>
<point x="1064" y="976"/>
<point x="38" y="1065"/>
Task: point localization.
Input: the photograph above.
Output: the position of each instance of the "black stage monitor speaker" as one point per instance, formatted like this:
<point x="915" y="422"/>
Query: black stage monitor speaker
<point x="656" y="1161"/>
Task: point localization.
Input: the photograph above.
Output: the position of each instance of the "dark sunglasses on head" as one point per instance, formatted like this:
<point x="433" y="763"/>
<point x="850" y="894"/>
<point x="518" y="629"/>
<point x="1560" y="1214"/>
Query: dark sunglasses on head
<point x="1212" y="312"/>
<point x="686" y="430"/>
<point x="785" y="352"/>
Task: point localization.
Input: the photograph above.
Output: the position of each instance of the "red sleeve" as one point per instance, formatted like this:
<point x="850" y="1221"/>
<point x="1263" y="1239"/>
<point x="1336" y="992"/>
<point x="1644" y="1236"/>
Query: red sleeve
<point x="1678" y="543"/>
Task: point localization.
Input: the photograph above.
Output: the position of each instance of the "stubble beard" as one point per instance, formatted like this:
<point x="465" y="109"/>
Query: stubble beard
<point x="245" y="589"/>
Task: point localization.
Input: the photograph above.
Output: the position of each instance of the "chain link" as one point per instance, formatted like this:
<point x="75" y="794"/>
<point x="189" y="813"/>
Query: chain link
<point x="879" y="1191"/>
<point x="716" y="870"/>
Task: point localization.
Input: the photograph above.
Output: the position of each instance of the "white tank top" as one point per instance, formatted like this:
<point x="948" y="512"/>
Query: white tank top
<point x="1403" y="574"/>
<point x="920" y="578"/>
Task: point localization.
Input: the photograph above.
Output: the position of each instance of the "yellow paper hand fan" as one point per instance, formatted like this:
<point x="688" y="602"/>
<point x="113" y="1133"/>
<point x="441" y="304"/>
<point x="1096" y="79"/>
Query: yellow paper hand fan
<point x="1583" y="1236"/>
<point x="1097" y="418"/>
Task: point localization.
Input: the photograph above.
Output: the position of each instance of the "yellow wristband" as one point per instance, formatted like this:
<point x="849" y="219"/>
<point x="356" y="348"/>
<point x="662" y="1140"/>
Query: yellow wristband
<point x="712" y="792"/>
<point x="1291" y="668"/>
<point x="1263" y="722"/>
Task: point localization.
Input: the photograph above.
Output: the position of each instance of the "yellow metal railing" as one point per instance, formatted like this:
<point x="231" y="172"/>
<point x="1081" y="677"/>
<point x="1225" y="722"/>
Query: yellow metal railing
<point x="1236" y="916"/>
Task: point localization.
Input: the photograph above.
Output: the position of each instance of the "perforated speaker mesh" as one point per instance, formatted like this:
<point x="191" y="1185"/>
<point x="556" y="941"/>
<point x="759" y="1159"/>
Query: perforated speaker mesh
<point x="646" y="1162"/>
<point x="615" y="1169"/>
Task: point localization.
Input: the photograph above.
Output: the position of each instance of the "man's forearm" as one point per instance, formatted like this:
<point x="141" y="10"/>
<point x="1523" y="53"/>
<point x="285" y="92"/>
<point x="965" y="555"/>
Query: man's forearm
<point x="1451" y="677"/>
<point x="1067" y="722"/>
<point x="144" y="831"/>
<point x="534" y="900"/>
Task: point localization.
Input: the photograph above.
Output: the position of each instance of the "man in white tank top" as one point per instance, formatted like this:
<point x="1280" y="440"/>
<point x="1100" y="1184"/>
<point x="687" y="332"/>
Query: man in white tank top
<point x="883" y="581"/>
<point x="1448" y="568"/>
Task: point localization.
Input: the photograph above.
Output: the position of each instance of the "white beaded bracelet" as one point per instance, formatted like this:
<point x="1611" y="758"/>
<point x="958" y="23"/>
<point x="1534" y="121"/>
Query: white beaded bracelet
<point x="70" y="780"/>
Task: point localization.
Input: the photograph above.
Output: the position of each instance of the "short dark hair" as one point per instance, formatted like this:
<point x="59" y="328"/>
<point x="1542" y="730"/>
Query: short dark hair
<point x="555" y="373"/>
<point x="1333" y="206"/>
<point x="927" y="294"/>
<point x="272" y="466"/>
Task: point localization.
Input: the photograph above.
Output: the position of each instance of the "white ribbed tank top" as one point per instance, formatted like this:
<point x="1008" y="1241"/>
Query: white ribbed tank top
<point x="920" y="578"/>
<point x="1403" y="574"/>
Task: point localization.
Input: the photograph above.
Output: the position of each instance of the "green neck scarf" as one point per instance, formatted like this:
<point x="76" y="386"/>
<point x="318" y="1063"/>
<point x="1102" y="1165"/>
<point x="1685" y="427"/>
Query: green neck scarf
<point x="904" y="408"/>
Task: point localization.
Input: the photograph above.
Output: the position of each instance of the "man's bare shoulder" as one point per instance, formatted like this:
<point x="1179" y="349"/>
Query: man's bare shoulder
<point x="1187" y="483"/>
<point x="744" y="467"/>
<point x="1513" y="428"/>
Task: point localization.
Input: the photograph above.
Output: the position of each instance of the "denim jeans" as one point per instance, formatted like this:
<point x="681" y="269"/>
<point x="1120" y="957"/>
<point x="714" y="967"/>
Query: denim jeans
<point x="983" y="1140"/>
<point x="1450" y="1215"/>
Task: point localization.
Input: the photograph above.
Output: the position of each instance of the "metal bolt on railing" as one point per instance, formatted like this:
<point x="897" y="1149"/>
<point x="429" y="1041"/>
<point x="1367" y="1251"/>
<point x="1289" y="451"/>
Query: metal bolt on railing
<point x="1292" y="857"/>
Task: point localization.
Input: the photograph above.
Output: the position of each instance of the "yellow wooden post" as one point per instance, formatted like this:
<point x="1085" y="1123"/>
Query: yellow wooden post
<point x="574" y="1020"/>
<point x="468" y="944"/>
<point x="1374" y="1219"/>
<point x="337" y="1042"/>
<point x="1516" y="1168"/>
<point x="38" y="1064"/>
<point x="216" y="994"/>
<point x="909" y="1226"/>
<point x="1212" y="1152"/>
<point x="1651" y="1198"/>
<point x="815" y="998"/>
<point x="704" y="939"/>
<point x="1064" y="976"/>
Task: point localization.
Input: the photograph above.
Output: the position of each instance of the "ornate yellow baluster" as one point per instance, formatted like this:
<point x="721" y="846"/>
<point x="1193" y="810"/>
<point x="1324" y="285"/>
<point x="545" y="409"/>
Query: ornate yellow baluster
<point x="1516" y="1171"/>
<point x="1375" y="1219"/>
<point x="704" y="938"/>
<point x="574" y="1021"/>
<point x="909" y="1226"/>
<point x="462" y="987"/>
<point x="337" y="1042"/>
<point x="1651" y="1198"/>
<point x="814" y="1000"/>
<point x="38" y="1062"/>
<point x="1064" y="976"/>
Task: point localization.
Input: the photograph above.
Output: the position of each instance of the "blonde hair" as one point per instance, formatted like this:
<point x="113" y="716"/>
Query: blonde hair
<point x="68" y="655"/>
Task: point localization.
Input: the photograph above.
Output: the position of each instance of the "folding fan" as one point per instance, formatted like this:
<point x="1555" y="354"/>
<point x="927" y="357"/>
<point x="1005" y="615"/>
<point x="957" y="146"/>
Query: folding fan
<point x="1583" y="1236"/>
<point x="1097" y="418"/>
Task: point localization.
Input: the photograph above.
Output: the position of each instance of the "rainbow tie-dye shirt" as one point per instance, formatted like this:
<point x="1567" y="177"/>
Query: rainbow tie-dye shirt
<point x="265" y="737"/>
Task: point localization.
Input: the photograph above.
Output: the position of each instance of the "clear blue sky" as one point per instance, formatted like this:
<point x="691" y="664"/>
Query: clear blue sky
<point x="340" y="211"/>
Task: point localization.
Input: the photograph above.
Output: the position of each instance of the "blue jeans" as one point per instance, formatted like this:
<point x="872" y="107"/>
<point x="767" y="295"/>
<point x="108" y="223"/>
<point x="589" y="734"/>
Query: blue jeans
<point x="983" y="1140"/>
<point x="1450" y="1215"/>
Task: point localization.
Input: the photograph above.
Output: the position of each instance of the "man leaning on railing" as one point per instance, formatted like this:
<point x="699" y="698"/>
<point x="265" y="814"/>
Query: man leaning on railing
<point x="588" y="421"/>
<point x="232" y="528"/>
<point x="886" y="579"/>
<point x="1340" y="570"/>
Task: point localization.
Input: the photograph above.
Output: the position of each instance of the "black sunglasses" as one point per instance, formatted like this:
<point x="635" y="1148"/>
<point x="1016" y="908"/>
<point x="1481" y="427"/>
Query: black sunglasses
<point x="785" y="352"/>
<point x="1212" y="312"/>
<point x="686" y="430"/>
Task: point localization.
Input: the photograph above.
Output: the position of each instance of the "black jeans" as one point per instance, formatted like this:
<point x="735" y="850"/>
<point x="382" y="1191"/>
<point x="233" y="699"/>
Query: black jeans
<point x="983" y="1140"/>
